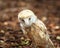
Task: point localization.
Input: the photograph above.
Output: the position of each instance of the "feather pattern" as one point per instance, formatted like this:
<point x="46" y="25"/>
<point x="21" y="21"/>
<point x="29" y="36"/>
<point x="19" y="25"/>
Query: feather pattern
<point x="34" y="29"/>
<point x="39" y="37"/>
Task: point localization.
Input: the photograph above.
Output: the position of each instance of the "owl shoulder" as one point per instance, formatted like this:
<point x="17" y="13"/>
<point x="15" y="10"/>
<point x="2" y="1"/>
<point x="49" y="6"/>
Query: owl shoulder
<point x="41" y="25"/>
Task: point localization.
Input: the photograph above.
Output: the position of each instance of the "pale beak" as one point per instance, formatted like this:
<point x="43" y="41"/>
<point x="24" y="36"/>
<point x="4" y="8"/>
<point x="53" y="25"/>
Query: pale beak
<point x="26" y="21"/>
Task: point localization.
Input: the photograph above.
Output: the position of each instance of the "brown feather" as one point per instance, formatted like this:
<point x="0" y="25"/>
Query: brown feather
<point x="33" y="33"/>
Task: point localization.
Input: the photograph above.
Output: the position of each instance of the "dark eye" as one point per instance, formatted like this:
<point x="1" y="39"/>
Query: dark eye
<point x="29" y="18"/>
<point x="22" y="20"/>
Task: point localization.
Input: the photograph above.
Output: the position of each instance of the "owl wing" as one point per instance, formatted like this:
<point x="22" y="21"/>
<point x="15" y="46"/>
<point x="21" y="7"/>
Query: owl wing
<point x="41" y="25"/>
<point x="43" y="28"/>
<point x="43" y="33"/>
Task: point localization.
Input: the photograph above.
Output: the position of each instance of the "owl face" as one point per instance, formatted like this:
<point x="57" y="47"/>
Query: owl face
<point x="27" y="18"/>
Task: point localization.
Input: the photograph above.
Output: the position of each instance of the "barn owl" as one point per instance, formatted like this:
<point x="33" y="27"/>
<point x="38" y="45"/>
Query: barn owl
<point x="35" y="28"/>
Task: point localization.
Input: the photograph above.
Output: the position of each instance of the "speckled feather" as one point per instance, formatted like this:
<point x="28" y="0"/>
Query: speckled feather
<point x="34" y="29"/>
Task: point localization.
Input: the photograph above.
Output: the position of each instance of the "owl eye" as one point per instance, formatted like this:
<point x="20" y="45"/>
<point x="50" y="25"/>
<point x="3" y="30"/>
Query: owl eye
<point x="22" y="20"/>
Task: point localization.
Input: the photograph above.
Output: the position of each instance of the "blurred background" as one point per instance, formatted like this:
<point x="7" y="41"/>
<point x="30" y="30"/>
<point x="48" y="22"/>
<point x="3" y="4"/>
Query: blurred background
<point x="11" y="35"/>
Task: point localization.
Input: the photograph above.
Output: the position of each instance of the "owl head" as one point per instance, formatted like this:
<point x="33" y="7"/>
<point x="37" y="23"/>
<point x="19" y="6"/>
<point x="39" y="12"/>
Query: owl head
<point x="26" y="17"/>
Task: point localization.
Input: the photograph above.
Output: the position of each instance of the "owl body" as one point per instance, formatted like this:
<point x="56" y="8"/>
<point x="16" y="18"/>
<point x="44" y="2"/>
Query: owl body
<point x="39" y="38"/>
<point x="34" y="29"/>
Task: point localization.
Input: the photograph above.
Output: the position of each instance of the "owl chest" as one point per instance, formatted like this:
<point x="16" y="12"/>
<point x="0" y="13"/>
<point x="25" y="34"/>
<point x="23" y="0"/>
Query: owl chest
<point x="33" y="33"/>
